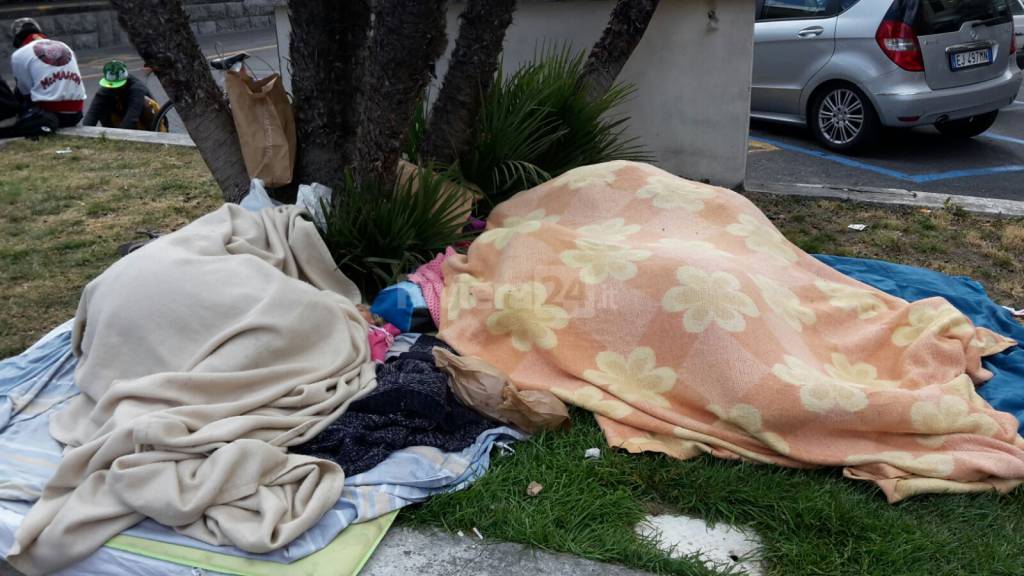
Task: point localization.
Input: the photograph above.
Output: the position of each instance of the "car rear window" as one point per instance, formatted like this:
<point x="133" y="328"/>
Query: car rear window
<point x="942" y="16"/>
<point x="785" y="9"/>
<point x="1016" y="7"/>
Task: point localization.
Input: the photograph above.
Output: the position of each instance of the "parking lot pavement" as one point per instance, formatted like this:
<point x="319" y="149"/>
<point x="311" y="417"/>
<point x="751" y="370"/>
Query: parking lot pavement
<point x="991" y="165"/>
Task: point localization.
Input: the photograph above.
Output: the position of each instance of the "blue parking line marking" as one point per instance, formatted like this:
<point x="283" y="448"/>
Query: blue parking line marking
<point x="917" y="178"/>
<point x="1010" y="139"/>
<point x="967" y="173"/>
<point x="834" y="157"/>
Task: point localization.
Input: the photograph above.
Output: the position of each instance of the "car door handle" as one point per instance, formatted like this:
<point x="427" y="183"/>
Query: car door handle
<point x="810" y="32"/>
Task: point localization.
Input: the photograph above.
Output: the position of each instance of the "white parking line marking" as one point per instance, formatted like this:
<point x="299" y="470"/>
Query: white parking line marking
<point x="1009" y="139"/>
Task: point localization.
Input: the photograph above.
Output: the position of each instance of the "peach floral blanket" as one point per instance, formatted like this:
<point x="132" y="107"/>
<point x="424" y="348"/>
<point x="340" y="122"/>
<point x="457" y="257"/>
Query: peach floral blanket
<point x="679" y="315"/>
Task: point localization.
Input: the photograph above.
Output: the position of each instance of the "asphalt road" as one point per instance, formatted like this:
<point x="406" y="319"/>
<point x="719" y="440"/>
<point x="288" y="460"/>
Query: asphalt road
<point x="991" y="165"/>
<point x="921" y="159"/>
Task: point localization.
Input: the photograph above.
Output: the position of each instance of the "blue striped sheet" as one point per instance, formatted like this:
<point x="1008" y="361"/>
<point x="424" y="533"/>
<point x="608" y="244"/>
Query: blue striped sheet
<point x="40" y="381"/>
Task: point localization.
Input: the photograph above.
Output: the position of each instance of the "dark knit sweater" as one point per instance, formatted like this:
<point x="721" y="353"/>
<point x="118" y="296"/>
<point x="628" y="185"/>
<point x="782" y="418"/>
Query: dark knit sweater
<point x="412" y="405"/>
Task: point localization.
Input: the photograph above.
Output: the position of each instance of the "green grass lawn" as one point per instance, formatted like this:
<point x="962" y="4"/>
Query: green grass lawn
<point x="62" y="217"/>
<point x="813" y="522"/>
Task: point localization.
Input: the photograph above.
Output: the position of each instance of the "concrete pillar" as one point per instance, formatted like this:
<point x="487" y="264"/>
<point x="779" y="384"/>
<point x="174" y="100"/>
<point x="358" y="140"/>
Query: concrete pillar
<point x="693" y="73"/>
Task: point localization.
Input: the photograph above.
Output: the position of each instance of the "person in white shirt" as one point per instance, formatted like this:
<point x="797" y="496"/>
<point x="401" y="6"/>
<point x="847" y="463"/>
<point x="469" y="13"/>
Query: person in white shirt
<point x="46" y="73"/>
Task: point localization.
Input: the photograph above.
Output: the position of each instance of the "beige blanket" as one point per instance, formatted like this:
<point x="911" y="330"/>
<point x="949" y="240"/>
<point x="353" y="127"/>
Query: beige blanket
<point x="678" y="313"/>
<point x="201" y="357"/>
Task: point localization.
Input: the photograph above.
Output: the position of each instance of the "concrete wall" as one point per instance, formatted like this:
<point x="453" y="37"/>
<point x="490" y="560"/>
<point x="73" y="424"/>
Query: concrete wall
<point x="692" y="73"/>
<point x="99" y="28"/>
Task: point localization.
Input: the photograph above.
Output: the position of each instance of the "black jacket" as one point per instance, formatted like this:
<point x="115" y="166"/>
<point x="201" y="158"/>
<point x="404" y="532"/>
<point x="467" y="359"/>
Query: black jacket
<point x="127" y="101"/>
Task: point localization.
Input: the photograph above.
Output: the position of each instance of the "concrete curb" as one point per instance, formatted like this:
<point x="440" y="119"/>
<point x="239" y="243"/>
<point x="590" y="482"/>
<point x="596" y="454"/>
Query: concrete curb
<point x="433" y="553"/>
<point x="129" y="135"/>
<point x="406" y="551"/>
<point x="893" y="197"/>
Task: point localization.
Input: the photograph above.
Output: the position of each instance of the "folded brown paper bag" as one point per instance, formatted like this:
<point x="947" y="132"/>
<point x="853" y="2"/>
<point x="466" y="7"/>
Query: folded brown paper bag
<point x="486" y="389"/>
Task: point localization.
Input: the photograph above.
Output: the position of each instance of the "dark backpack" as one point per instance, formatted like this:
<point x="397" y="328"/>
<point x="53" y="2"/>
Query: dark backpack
<point x="9" y="105"/>
<point x="27" y="122"/>
<point x="32" y="122"/>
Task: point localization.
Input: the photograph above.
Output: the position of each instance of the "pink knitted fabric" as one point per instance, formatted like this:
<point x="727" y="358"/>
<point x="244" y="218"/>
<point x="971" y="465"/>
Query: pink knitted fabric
<point x="381" y="338"/>
<point x="430" y="279"/>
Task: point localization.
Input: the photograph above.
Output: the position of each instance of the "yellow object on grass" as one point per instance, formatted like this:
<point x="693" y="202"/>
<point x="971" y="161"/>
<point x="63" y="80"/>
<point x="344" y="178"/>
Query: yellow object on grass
<point x="344" y="556"/>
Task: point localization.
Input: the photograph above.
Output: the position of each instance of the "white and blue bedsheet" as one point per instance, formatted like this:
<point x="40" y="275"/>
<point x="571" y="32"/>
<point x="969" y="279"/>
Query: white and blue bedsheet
<point x="32" y="386"/>
<point x="39" y="381"/>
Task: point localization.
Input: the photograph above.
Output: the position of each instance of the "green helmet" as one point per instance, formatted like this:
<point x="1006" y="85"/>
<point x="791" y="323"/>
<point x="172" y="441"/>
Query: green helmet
<point x="115" y="74"/>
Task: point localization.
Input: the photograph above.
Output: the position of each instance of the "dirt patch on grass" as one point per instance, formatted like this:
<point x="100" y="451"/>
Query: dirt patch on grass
<point x="1013" y="239"/>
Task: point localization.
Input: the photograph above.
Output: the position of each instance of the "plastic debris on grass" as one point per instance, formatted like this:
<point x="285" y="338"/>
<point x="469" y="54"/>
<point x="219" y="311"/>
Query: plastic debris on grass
<point x="534" y="488"/>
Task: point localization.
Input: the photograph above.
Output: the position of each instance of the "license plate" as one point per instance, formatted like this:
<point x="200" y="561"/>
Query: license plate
<point x="970" y="59"/>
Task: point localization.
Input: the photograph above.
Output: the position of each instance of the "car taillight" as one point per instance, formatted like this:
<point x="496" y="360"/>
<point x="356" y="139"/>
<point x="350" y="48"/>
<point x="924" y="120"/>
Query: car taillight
<point x="899" y="42"/>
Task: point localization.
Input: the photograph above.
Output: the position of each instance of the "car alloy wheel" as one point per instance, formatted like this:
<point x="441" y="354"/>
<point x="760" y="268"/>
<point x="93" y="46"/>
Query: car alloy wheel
<point x="841" y="116"/>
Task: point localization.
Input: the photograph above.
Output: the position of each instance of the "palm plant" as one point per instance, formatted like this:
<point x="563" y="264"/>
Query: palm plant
<point x="376" y="236"/>
<point x="537" y="123"/>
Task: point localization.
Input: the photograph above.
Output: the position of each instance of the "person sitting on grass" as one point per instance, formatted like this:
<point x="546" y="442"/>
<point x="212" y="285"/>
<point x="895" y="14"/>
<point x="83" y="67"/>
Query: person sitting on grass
<point x="46" y="73"/>
<point x="123" y="101"/>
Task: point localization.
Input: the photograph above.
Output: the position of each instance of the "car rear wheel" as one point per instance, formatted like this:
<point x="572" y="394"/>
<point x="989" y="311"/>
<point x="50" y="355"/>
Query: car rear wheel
<point x="842" y="118"/>
<point x="968" y="127"/>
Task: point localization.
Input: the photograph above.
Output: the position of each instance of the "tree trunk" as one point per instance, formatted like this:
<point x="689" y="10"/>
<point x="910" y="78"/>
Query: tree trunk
<point x="470" y="74"/>
<point x="626" y="26"/>
<point x="329" y="45"/>
<point x="161" y="34"/>
<point x="408" y="38"/>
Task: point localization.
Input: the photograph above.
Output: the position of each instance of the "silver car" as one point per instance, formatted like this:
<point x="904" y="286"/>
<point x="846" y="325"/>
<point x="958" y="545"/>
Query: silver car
<point x="845" y="68"/>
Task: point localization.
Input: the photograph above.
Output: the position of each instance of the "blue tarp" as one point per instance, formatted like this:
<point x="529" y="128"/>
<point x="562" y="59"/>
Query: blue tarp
<point x="1005" y="391"/>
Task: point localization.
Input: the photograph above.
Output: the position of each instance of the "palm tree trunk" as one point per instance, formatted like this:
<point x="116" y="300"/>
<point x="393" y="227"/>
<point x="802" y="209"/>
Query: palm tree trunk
<point x="407" y="40"/>
<point x="161" y="34"/>
<point x="329" y="49"/>
<point x="470" y="74"/>
<point x="626" y="26"/>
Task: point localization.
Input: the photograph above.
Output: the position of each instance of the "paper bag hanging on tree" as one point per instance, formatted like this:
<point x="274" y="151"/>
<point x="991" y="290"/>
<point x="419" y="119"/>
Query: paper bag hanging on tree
<point x="265" y="124"/>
